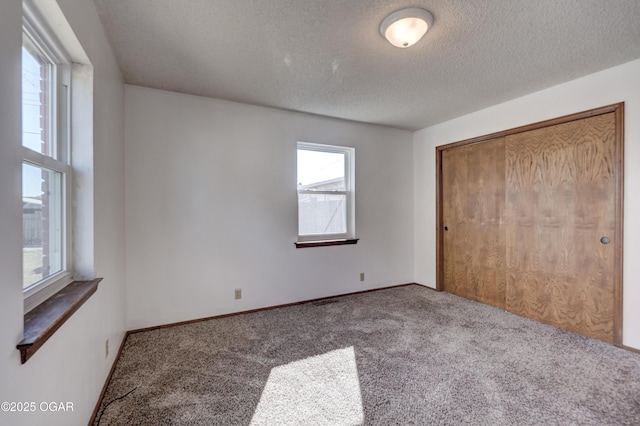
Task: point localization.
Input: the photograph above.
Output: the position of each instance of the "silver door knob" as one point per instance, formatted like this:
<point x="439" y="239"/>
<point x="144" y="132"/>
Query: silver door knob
<point x="605" y="240"/>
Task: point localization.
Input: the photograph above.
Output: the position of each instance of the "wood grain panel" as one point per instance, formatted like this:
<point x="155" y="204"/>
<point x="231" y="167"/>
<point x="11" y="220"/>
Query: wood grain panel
<point x="473" y="208"/>
<point x="454" y="183"/>
<point x="560" y="200"/>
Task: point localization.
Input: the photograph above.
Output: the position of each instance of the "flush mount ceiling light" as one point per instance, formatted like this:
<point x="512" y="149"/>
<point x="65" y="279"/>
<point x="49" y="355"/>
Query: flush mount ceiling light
<point x="405" y="27"/>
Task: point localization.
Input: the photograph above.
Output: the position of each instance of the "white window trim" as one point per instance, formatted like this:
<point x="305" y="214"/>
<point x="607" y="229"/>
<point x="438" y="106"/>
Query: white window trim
<point x="349" y="167"/>
<point x="39" y="33"/>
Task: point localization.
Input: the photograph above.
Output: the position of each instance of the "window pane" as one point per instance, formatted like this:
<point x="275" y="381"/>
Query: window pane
<point x="41" y="223"/>
<point x="322" y="214"/>
<point x="36" y="102"/>
<point x="320" y="170"/>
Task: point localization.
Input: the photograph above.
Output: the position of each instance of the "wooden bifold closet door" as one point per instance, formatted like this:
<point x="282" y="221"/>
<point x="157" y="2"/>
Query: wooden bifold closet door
<point x="530" y="221"/>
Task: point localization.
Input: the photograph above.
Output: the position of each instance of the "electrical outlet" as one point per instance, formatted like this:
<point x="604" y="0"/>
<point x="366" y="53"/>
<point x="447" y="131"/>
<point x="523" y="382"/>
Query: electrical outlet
<point x="361" y="276"/>
<point x="238" y="293"/>
<point x="106" y="348"/>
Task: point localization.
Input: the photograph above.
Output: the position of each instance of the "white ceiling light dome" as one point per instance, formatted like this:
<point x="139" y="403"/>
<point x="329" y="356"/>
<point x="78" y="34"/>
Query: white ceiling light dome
<point x="405" y="27"/>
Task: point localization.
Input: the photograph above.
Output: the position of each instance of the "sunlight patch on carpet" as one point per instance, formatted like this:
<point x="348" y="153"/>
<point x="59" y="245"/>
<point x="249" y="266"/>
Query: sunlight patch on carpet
<point x="323" y="389"/>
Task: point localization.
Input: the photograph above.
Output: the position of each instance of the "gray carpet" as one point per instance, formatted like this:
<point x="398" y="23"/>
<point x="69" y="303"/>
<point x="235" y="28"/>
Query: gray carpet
<point x="406" y="355"/>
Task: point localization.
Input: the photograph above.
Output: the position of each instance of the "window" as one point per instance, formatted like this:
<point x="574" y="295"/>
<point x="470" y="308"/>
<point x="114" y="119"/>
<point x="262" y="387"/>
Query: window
<point x="325" y="192"/>
<point x="46" y="171"/>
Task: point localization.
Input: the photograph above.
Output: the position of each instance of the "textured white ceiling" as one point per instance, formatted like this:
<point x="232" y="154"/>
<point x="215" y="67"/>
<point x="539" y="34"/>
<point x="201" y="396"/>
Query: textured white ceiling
<point x="327" y="57"/>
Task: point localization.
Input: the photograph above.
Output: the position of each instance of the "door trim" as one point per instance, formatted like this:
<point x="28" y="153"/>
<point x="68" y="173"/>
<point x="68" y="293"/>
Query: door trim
<point x="618" y="176"/>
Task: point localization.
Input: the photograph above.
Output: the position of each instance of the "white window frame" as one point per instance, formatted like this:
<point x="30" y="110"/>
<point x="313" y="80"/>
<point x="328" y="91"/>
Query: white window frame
<point x="349" y="192"/>
<point x="37" y="33"/>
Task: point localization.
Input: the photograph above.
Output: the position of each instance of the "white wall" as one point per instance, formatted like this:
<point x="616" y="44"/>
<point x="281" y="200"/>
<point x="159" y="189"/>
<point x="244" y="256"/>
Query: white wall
<point x="211" y="205"/>
<point x="71" y="366"/>
<point x="604" y="88"/>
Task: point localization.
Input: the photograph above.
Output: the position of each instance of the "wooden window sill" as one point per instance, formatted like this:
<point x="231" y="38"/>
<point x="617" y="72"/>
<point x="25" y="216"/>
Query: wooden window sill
<point x="305" y="244"/>
<point x="46" y="318"/>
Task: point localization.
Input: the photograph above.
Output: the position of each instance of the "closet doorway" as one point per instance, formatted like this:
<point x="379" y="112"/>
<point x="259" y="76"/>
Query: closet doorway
<point x="530" y="220"/>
